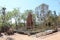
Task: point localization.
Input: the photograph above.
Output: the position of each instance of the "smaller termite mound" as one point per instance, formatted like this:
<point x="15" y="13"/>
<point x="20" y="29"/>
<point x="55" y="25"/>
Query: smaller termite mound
<point x="7" y="30"/>
<point x="0" y="34"/>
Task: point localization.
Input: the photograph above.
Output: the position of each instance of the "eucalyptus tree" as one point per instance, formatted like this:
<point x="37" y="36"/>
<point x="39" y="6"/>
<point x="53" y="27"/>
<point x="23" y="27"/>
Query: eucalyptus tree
<point x="34" y="18"/>
<point x="55" y="21"/>
<point x="16" y="16"/>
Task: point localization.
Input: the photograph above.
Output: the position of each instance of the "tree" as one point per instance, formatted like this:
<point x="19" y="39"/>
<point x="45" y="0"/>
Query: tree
<point x="48" y="19"/>
<point x="52" y="20"/>
<point x="9" y="15"/>
<point x="15" y="13"/>
<point x="34" y="18"/>
<point x="16" y="16"/>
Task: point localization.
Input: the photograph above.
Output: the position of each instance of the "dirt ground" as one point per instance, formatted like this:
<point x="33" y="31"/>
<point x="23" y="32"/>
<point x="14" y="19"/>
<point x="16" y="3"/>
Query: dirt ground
<point x="16" y="36"/>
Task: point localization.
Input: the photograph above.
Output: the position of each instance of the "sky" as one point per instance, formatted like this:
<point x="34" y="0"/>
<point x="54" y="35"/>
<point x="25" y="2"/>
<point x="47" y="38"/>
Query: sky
<point x="29" y="4"/>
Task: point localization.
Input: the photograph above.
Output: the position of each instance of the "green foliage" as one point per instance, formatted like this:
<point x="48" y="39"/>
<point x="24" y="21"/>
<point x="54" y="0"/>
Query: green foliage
<point x="15" y="13"/>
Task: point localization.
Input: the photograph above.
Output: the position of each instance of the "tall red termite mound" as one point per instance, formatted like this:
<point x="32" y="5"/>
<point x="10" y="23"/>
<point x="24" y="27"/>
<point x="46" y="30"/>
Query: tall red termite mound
<point x="29" y="21"/>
